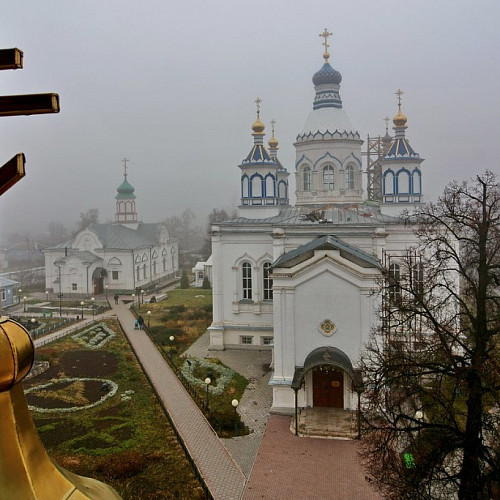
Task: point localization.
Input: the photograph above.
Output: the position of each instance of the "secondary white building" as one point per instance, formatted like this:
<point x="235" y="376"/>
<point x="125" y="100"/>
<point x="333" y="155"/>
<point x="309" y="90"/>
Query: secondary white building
<point x="301" y="279"/>
<point x="123" y="256"/>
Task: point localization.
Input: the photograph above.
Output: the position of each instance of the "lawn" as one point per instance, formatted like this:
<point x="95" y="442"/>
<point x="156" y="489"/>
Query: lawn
<point x="98" y="416"/>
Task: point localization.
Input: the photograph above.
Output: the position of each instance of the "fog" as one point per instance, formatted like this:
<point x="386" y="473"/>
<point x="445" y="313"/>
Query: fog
<point x="171" y="85"/>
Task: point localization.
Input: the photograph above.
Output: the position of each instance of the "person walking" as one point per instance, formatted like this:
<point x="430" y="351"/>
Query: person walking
<point x="140" y="320"/>
<point x="116" y="298"/>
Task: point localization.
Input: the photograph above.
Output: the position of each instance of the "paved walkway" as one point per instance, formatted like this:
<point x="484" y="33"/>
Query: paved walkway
<point x="255" y="404"/>
<point x="294" y="467"/>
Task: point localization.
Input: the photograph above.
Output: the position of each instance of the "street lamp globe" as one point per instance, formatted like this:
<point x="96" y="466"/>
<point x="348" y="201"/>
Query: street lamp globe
<point x="235" y="403"/>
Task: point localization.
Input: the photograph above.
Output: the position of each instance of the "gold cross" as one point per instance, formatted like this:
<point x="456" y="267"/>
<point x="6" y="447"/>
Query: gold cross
<point x="125" y="160"/>
<point x="258" y="101"/>
<point x="325" y="35"/>
<point x="273" y="123"/>
<point x="399" y="93"/>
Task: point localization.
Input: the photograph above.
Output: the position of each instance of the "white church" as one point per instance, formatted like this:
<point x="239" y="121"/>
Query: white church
<point x="300" y="279"/>
<point x="124" y="256"/>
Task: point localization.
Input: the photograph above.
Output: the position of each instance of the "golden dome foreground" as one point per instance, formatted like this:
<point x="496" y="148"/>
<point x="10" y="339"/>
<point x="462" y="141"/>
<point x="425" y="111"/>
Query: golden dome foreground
<point x="16" y="353"/>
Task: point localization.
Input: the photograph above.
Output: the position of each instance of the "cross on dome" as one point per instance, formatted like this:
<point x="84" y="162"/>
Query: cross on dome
<point x="257" y="102"/>
<point x="125" y="160"/>
<point x="399" y="93"/>
<point x="325" y="36"/>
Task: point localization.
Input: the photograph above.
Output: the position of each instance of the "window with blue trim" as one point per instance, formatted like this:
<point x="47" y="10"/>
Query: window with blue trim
<point x="246" y="275"/>
<point x="268" y="282"/>
<point x="328" y="178"/>
<point x="349" y="177"/>
<point x="306" y="178"/>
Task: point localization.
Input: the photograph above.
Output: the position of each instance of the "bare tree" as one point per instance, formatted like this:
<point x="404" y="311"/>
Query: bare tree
<point x="431" y="405"/>
<point x="91" y="216"/>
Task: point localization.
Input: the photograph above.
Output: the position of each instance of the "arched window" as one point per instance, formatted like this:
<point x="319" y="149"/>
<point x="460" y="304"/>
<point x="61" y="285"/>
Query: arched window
<point x="403" y="182"/>
<point x="256" y="186"/>
<point x="246" y="274"/>
<point x="282" y="191"/>
<point x="138" y="273"/>
<point x="269" y="186"/>
<point x="417" y="274"/>
<point x="268" y="282"/>
<point x="328" y="181"/>
<point x="389" y="183"/>
<point x="394" y="283"/>
<point x="144" y="269"/>
<point x="154" y="267"/>
<point x="349" y="177"/>
<point x="417" y="188"/>
<point x="306" y="178"/>
<point x="244" y="187"/>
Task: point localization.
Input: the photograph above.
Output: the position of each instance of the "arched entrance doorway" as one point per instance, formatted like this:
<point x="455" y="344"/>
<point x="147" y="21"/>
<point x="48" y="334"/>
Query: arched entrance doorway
<point x="329" y="367"/>
<point x="98" y="280"/>
<point x="328" y="387"/>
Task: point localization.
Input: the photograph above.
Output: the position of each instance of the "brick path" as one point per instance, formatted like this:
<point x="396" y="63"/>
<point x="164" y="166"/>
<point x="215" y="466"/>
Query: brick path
<point x="293" y="467"/>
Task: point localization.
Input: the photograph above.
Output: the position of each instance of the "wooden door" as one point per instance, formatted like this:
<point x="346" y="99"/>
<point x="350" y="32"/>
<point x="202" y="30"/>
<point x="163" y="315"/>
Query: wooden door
<point x="328" y="388"/>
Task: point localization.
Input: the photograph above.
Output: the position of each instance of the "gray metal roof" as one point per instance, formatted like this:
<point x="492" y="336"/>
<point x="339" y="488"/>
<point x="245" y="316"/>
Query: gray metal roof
<point x="123" y="237"/>
<point x="83" y="255"/>
<point x="4" y="282"/>
<point x="326" y="242"/>
<point x="329" y="215"/>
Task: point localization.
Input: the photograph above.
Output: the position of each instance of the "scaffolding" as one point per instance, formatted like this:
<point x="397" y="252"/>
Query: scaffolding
<point x="374" y="154"/>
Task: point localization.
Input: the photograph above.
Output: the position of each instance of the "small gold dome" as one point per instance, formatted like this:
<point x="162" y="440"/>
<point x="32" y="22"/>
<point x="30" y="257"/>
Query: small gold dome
<point x="258" y="127"/>
<point x="400" y="119"/>
<point x="273" y="143"/>
<point x="16" y="353"/>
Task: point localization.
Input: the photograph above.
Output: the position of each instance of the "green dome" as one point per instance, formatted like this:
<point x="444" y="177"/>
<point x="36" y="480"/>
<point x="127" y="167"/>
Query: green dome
<point x="125" y="191"/>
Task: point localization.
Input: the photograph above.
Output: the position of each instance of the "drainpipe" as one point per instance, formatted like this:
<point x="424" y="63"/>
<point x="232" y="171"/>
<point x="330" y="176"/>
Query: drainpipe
<point x="87" y="271"/>
<point x="150" y="266"/>
<point x="133" y="270"/>
<point x="296" y="415"/>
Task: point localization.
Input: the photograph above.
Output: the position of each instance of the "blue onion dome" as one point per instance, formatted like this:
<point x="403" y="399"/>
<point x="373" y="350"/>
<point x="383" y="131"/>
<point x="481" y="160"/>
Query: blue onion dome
<point x="327" y="76"/>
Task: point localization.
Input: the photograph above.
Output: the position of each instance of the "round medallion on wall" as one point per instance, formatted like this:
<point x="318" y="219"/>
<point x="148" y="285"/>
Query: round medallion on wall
<point x="327" y="328"/>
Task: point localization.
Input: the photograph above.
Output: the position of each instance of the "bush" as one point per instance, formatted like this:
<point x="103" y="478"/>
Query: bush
<point x="122" y="465"/>
<point x="184" y="280"/>
<point x="206" y="283"/>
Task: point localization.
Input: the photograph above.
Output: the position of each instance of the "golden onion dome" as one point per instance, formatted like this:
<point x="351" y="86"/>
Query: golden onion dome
<point x="258" y="127"/>
<point x="273" y="142"/>
<point x="400" y="119"/>
<point x="16" y="353"/>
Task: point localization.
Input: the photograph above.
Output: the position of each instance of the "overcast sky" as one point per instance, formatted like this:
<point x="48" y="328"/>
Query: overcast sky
<point x="171" y="86"/>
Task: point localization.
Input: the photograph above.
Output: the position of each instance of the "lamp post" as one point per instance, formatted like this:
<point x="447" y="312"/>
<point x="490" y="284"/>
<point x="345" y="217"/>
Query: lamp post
<point x="142" y="296"/>
<point x="235" y="402"/>
<point x="207" y="382"/>
<point x="149" y="315"/>
<point x="19" y="296"/>
<point x="106" y="291"/>
<point x="93" y="307"/>
<point x="24" y="303"/>
<point x="60" y="295"/>
<point x="82" y="303"/>
<point x="33" y="321"/>
<point x="47" y="295"/>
